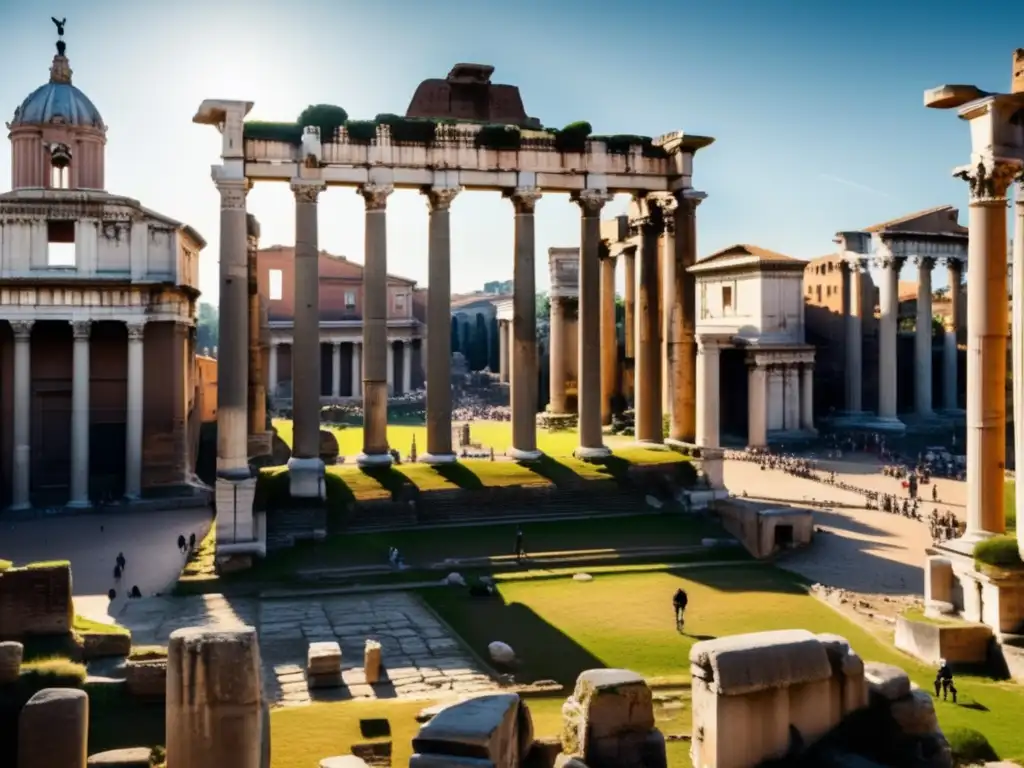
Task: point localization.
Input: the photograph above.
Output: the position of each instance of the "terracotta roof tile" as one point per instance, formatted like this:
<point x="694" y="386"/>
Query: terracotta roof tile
<point x="748" y="252"/>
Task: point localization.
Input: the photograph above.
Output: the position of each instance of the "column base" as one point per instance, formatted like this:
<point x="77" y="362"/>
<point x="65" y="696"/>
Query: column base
<point x="374" y="460"/>
<point x="521" y="455"/>
<point x="306" y="478"/>
<point x="866" y="421"/>
<point x="653" y="445"/>
<point x="234" y="493"/>
<point x="599" y="452"/>
<point x="19" y="507"/>
<point x="79" y="504"/>
<point x="438" y="458"/>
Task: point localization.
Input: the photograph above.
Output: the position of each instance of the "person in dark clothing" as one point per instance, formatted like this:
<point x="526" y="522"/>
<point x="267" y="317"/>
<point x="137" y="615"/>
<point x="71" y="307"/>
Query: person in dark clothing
<point x="135" y="592"/>
<point x="192" y="542"/>
<point x="520" y="550"/>
<point x="117" y="573"/>
<point x="944" y="681"/>
<point x="679" y="601"/>
<point x="181" y="543"/>
<point x="111" y="593"/>
<point x="121" y="562"/>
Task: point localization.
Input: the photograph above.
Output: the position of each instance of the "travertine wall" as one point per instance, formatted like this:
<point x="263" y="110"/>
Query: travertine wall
<point x="35" y="601"/>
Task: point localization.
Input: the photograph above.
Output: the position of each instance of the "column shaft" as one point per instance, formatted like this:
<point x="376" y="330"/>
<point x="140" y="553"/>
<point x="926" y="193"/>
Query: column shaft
<point x="524" y="327"/>
<point x="629" y="299"/>
<point x="1017" y="292"/>
<point x="406" y="366"/>
<point x="950" y="357"/>
<point x="272" y="373"/>
<point x="257" y="418"/>
<point x="757" y="405"/>
<point x="707" y="395"/>
<point x="503" y="346"/>
<point x="134" y="410"/>
<point x="609" y="343"/>
<point x="791" y="394"/>
<point x="807" y="397"/>
<point x="854" y="300"/>
<point x="232" y="344"/>
<point x="391" y="367"/>
<point x="888" y="326"/>
<point x="439" y="340"/>
<point x="357" y="360"/>
<point x="683" y="426"/>
<point x="923" y="340"/>
<point x="306" y="341"/>
<point x="669" y="313"/>
<point x="648" y="336"/>
<point x="375" y="331"/>
<point x="80" y="381"/>
<point x="336" y="369"/>
<point x="22" y="413"/>
<point x="588" y="379"/>
<point x="557" y="357"/>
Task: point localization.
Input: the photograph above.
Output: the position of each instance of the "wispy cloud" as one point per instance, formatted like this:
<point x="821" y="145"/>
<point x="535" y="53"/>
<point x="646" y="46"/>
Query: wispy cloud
<point x="855" y="185"/>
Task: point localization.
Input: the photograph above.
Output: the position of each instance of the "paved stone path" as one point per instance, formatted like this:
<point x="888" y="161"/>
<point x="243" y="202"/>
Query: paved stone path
<point x="422" y="659"/>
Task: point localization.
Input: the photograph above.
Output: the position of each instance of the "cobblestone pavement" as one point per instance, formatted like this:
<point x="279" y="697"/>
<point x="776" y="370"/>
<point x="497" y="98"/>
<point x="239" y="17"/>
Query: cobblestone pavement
<point x="422" y="659"/>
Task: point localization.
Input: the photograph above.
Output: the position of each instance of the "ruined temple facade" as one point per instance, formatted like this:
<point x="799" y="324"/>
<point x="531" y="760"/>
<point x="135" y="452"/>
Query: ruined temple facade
<point x="97" y="307"/>
<point x="468" y="94"/>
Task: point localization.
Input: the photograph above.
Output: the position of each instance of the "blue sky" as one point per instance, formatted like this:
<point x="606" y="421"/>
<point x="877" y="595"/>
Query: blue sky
<point x="816" y="106"/>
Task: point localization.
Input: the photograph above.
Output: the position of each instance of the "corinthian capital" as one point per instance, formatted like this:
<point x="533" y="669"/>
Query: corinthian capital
<point x="524" y="199"/>
<point x="926" y="263"/>
<point x="233" y="193"/>
<point x="307" y="191"/>
<point x="591" y="201"/>
<point x="440" y="198"/>
<point x="375" y="195"/>
<point x="22" y="329"/>
<point x="81" y="329"/>
<point x="989" y="180"/>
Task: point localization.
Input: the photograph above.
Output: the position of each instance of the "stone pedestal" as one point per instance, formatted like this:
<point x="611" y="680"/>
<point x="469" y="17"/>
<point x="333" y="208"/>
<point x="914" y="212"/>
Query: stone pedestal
<point x="234" y="493"/>
<point x="524" y="328"/>
<point x="53" y="729"/>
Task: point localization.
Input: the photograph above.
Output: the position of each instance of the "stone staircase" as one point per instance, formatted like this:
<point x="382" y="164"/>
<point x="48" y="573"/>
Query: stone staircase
<point x="581" y="504"/>
<point x="287" y="526"/>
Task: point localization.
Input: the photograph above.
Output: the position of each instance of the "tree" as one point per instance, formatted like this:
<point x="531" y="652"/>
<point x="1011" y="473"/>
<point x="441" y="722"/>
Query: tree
<point x="207" y="327"/>
<point x="466" y="343"/>
<point x="543" y="307"/>
<point x="455" y="335"/>
<point x="494" y="344"/>
<point x="480" y="343"/>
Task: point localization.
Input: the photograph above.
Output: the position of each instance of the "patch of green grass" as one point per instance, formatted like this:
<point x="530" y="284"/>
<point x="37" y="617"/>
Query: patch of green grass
<point x="54" y="672"/>
<point x="200" y="564"/>
<point x="84" y="626"/>
<point x="970" y="747"/>
<point x="919" y="616"/>
<point x="5" y="565"/>
<point x="998" y="551"/>
<point x="1010" y="504"/>
<point x="147" y="653"/>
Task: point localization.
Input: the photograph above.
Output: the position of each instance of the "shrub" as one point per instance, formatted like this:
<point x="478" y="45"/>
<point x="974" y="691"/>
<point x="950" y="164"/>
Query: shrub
<point x="289" y="133"/>
<point x="573" y="138"/>
<point x="361" y="131"/>
<point x="502" y="137"/>
<point x="408" y="130"/>
<point x="327" y="117"/>
<point x="54" y="672"/>
<point x="998" y="551"/>
<point x="620" y="144"/>
<point x="970" y="747"/>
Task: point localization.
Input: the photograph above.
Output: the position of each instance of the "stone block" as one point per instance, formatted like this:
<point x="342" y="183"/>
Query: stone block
<point x="343" y="761"/>
<point x="324" y="681"/>
<point x="938" y="579"/>
<point x="35" y="600"/>
<point x="11" y="654"/>
<point x="53" y="729"/>
<point x="106" y="646"/>
<point x="958" y="642"/>
<point x="543" y="753"/>
<point x="741" y="664"/>
<point x="372" y="661"/>
<point x="132" y="757"/>
<point x="324" y="659"/>
<point x="915" y="714"/>
<point x="146" y="679"/>
<point x="886" y="681"/>
<point x="486" y="729"/>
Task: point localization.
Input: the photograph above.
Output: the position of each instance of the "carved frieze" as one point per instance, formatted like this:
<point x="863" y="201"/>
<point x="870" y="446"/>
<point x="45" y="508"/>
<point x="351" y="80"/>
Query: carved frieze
<point x="440" y="198"/>
<point x="524" y="199"/>
<point x="375" y="195"/>
<point x="990" y="181"/>
<point x="115" y="230"/>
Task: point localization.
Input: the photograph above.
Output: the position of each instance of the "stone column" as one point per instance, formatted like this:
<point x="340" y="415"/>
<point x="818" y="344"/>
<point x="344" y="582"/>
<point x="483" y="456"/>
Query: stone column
<point x="950" y="355"/>
<point x="53" y="729"/>
<point x="305" y="468"/>
<point x="648" y="336"/>
<point x="524" y="328"/>
<point x="923" y="339"/>
<point x="257" y="418"/>
<point x="853" y="286"/>
<point x="556" y="357"/>
<point x="791" y="395"/>
<point x="503" y="345"/>
<point x="588" y="379"/>
<point x="707" y="392"/>
<point x="336" y="369"/>
<point x="987" y="305"/>
<point x="406" y="366"/>
<point x="683" y="423"/>
<point x="357" y="359"/>
<point x="391" y="367"/>
<point x="80" y="380"/>
<point x="888" y="326"/>
<point x="375" y="328"/>
<point x="214" y="717"/>
<point x="272" y="366"/>
<point x="22" y="413"/>
<point x="757" y="407"/>
<point x="629" y="300"/>
<point x="439" y="342"/>
<point x="807" y="397"/>
<point x="134" y="410"/>
<point x="669" y="309"/>
<point x="609" y="341"/>
<point x="1017" y="291"/>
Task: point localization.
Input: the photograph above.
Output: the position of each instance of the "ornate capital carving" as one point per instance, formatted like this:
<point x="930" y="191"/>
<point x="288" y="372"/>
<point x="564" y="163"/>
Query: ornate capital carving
<point x="22" y="329"/>
<point x="954" y="263"/>
<point x="989" y="181"/>
<point x="307" y="191"/>
<point x="233" y="193"/>
<point x="440" y="198"/>
<point x="375" y="195"/>
<point x="524" y="199"/>
<point x="889" y="261"/>
<point x="81" y="329"/>
<point x="591" y="201"/>
<point x="136" y="331"/>
<point x="926" y="263"/>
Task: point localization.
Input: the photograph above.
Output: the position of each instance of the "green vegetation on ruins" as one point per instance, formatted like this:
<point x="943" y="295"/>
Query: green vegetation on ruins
<point x="998" y="552"/>
<point x="328" y="118"/>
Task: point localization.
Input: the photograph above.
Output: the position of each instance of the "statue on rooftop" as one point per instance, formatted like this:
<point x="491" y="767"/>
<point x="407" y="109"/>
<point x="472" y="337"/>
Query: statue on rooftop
<point x="61" y="45"/>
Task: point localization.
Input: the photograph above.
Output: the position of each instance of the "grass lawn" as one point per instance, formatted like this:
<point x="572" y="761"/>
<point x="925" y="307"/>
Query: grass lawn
<point x="1010" y="503"/>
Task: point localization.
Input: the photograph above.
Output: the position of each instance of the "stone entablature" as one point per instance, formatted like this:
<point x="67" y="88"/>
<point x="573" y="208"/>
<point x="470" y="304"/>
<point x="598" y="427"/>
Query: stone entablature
<point x="124" y="303"/>
<point x="564" y="264"/>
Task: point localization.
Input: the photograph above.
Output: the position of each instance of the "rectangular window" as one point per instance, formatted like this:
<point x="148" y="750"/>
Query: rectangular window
<point x="59" y="177"/>
<point x="350" y="299"/>
<point x="399" y="302"/>
<point x="60" y="249"/>
<point x="276" y="284"/>
<point x="727" y="299"/>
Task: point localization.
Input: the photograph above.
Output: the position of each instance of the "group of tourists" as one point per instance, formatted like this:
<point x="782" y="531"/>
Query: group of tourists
<point x="120" y="564"/>
<point x="944" y="525"/>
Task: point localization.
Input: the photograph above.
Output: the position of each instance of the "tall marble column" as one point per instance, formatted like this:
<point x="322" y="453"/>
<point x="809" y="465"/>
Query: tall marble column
<point x="439" y="343"/>
<point x="80" y="380"/>
<point x="503" y="349"/>
<point x="406" y="366"/>
<point x="357" y="360"/>
<point x="670" y="313"/>
<point x="683" y="424"/>
<point x="524" y="327"/>
<point x="272" y="367"/>
<point x="707" y="393"/>
<point x="305" y="468"/>
<point x="791" y="395"/>
<point x="257" y="419"/>
<point x="923" y="339"/>
<point x="629" y="300"/>
<point x="21" y="415"/>
<point x="1017" y="291"/>
<point x="609" y="341"/>
<point x="757" y="407"/>
<point x="335" y="369"/>
<point x="987" y="305"/>
<point x="648" y="336"/>
<point x="950" y="354"/>
<point x="391" y="366"/>
<point x="888" y="326"/>
<point x="556" y="356"/>
<point x="588" y="379"/>
<point x="375" y="328"/>
<point x="853" y="298"/>
<point x="807" y="396"/>
<point x="134" y="410"/>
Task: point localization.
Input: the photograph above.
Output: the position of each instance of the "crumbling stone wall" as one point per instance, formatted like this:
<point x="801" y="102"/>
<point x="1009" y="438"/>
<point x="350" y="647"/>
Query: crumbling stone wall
<point x="36" y="600"/>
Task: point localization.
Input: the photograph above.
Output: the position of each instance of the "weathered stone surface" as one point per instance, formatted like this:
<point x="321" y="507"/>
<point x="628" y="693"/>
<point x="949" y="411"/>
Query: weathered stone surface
<point x="915" y="714"/>
<point x="485" y="728"/>
<point x="741" y="664"/>
<point x="372" y="661"/>
<point x="146" y="679"/>
<point x="53" y="729"/>
<point x="543" y="753"/>
<point x="501" y="653"/>
<point x="35" y="601"/>
<point x="324" y="658"/>
<point x="885" y="680"/>
<point x="11" y="654"/>
<point x="328" y="680"/>
<point x="132" y="757"/>
<point x="105" y="646"/>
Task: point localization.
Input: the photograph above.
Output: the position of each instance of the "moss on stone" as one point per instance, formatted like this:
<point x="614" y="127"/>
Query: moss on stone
<point x="998" y="552"/>
<point x="498" y="136"/>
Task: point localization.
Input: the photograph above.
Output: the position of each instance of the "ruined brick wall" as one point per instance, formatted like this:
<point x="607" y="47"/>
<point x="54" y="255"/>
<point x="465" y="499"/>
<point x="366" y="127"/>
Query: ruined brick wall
<point x="35" y="601"/>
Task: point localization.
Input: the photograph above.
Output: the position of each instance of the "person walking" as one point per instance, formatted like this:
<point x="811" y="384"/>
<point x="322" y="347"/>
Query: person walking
<point x="679" y="603"/>
<point x="944" y="681"/>
<point x="520" y="549"/>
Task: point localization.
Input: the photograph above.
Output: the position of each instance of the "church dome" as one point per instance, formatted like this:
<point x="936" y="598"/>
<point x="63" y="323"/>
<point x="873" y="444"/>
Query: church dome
<point x="57" y="102"/>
